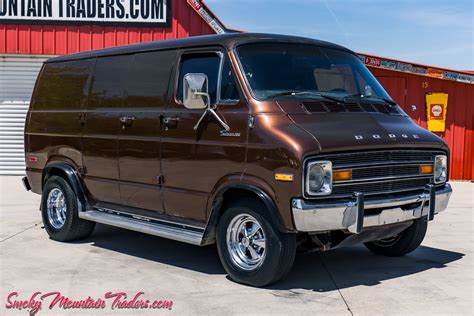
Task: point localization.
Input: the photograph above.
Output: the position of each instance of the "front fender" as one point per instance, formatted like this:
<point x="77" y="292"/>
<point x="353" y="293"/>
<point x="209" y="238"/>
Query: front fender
<point x="253" y="185"/>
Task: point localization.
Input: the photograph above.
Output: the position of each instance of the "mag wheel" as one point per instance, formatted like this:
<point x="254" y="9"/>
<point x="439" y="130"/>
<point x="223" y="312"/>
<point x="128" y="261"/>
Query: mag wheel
<point x="59" y="208"/>
<point x="246" y="242"/>
<point x="251" y="249"/>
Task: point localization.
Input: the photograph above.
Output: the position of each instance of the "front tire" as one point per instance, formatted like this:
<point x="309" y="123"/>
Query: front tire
<point x="252" y="250"/>
<point x="59" y="210"/>
<point x="401" y="244"/>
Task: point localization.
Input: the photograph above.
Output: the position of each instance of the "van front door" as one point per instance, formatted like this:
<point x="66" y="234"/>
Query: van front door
<point x="139" y="141"/>
<point x="194" y="161"/>
<point x="102" y="127"/>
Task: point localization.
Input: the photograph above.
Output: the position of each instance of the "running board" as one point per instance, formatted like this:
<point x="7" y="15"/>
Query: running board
<point x="145" y="225"/>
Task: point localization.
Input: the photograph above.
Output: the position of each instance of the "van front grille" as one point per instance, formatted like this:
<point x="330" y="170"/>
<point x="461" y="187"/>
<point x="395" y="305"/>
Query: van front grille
<point x="382" y="172"/>
<point x="392" y="186"/>
<point x="385" y="171"/>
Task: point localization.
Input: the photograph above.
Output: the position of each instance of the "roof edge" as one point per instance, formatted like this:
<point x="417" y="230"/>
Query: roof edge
<point x="417" y="69"/>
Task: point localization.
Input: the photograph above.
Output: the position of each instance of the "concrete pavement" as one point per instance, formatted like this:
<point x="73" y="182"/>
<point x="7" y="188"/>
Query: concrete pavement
<point x="437" y="278"/>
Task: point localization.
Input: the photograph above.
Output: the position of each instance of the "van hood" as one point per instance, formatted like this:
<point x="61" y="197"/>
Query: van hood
<point x="355" y="131"/>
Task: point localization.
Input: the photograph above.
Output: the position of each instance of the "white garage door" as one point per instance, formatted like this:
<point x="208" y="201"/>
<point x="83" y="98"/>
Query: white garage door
<point x="17" y="79"/>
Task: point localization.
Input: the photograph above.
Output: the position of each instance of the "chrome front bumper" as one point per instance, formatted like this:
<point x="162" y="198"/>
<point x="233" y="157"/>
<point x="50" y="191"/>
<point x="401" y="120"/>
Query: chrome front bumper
<point x="316" y="217"/>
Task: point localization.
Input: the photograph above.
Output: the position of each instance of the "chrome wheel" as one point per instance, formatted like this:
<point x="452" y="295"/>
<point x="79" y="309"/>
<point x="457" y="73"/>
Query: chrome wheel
<point x="246" y="242"/>
<point x="56" y="208"/>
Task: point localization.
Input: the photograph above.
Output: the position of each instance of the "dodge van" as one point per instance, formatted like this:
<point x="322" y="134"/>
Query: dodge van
<point x="258" y="143"/>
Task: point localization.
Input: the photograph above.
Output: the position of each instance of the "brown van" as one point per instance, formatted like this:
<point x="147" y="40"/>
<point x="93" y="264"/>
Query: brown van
<point x="258" y="143"/>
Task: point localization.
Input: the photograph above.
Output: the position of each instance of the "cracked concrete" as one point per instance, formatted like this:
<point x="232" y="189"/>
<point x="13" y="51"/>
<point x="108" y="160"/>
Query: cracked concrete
<point x="437" y="278"/>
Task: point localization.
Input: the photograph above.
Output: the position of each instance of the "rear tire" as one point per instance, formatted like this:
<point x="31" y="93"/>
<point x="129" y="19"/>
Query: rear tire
<point x="59" y="209"/>
<point x="252" y="250"/>
<point x="403" y="243"/>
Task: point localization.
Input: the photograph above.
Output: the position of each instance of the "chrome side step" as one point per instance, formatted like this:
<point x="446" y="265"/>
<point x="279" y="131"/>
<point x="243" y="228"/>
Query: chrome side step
<point x="156" y="228"/>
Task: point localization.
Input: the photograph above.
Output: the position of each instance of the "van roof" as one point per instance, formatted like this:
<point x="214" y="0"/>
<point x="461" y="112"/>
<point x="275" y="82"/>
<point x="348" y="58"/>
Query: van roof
<point x="228" y="40"/>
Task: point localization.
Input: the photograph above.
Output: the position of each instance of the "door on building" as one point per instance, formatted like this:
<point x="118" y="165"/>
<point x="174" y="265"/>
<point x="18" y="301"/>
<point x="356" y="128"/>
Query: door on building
<point x="17" y="79"/>
<point x="140" y="135"/>
<point x="192" y="160"/>
<point x="396" y="88"/>
<point x="102" y="126"/>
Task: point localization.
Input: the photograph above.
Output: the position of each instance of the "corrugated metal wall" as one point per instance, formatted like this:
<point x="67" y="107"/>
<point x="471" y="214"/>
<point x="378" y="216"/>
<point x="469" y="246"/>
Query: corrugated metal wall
<point x="409" y="89"/>
<point x="60" y="39"/>
<point x="17" y="79"/>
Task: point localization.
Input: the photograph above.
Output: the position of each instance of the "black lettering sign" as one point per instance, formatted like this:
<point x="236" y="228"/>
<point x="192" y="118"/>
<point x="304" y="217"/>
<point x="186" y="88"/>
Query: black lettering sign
<point x="90" y="12"/>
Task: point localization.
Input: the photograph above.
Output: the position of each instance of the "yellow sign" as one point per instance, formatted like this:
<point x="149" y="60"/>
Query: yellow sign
<point x="436" y="108"/>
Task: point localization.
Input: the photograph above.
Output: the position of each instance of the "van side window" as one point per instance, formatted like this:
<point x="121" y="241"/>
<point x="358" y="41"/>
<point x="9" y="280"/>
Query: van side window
<point x="147" y="82"/>
<point x="108" y="81"/>
<point x="206" y="63"/>
<point x="63" y="85"/>
<point x="229" y="92"/>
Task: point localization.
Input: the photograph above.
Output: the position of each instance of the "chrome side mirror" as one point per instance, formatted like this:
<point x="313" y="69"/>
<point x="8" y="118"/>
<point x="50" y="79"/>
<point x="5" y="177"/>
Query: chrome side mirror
<point x="196" y="96"/>
<point x="196" y="91"/>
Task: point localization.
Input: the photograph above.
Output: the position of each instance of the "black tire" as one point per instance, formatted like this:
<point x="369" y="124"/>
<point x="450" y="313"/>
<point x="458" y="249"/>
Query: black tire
<point x="73" y="227"/>
<point x="280" y="248"/>
<point x="402" y="244"/>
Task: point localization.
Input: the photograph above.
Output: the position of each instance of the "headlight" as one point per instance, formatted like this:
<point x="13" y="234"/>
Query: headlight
<point x="440" y="169"/>
<point x="319" y="178"/>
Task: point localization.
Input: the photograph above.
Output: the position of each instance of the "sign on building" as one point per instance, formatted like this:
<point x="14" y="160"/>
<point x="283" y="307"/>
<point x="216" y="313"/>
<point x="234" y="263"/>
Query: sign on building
<point x="108" y="12"/>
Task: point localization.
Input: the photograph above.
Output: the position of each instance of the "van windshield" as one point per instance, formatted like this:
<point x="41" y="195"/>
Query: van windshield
<point x="286" y="69"/>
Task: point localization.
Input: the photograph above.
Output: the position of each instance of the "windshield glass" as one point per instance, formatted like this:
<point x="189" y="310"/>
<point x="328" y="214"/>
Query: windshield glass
<point x="277" y="69"/>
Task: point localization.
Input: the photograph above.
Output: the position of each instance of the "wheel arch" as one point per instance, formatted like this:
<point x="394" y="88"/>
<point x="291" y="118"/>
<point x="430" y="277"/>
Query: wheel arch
<point x="69" y="173"/>
<point x="232" y="191"/>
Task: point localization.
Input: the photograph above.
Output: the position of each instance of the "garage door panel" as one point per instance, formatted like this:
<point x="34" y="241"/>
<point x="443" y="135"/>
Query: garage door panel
<point x="17" y="80"/>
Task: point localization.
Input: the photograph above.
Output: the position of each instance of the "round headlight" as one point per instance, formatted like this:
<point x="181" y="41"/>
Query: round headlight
<point x="316" y="178"/>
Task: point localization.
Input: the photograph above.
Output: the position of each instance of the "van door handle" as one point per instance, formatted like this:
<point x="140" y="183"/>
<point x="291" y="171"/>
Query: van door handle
<point x="82" y="118"/>
<point x="127" y="121"/>
<point x="170" y="122"/>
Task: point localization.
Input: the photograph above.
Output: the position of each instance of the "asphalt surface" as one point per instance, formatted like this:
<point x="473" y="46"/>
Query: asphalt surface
<point x="436" y="279"/>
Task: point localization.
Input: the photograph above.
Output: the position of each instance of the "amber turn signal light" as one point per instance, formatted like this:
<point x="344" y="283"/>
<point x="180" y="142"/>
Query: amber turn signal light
<point x="426" y="169"/>
<point x="342" y="175"/>
<point x="284" y="177"/>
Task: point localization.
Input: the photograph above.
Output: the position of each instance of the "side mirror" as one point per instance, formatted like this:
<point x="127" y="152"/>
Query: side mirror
<point x="196" y="91"/>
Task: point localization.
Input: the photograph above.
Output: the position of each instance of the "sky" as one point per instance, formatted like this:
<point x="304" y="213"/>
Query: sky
<point x="431" y="32"/>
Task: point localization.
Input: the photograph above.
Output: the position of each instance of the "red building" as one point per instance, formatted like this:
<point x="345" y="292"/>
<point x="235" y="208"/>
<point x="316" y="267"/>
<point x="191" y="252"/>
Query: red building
<point x="28" y="36"/>
<point x="409" y="88"/>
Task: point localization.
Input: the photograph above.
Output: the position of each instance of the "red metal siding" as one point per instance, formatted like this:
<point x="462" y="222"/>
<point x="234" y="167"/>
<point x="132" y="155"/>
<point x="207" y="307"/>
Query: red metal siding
<point x="460" y="115"/>
<point x="60" y="39"/>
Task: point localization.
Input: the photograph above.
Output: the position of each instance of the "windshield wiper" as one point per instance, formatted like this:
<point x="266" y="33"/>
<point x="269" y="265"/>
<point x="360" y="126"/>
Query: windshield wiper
<point x="362" y="96"/>
<point x="319" y="94"/>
